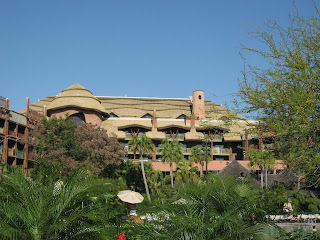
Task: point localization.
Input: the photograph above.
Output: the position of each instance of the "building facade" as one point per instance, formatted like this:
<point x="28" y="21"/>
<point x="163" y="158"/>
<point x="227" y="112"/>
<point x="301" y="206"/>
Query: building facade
<point x="193" y="121"/>
<point x="14" y="128"/>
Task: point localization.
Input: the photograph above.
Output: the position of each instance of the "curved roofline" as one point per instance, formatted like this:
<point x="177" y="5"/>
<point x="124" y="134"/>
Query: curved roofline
<point x="143" y="97"/>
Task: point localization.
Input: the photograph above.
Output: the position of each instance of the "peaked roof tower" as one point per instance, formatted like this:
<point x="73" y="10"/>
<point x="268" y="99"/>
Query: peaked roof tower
<point x="76" y="96"/>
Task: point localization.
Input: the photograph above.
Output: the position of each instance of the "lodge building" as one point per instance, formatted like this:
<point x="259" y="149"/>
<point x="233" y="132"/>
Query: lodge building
<point x="193" y="121"/>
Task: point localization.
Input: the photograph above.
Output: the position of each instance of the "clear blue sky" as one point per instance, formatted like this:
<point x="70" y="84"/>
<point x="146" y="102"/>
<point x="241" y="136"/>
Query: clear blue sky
<point x="138" y="48"/>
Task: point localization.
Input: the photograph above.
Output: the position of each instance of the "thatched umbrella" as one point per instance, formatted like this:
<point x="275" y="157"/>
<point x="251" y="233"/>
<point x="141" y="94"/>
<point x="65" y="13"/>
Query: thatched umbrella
<point x="131" y="198"/>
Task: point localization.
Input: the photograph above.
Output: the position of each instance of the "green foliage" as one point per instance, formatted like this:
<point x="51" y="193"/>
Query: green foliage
<point x="171" y="153"/>
<point x="145" y="146"/>
<point x="262" y="159"/>
<point x="31" y="209"/>
<point x="284" y="94"/>
<point x="223" y="209"/>
<point x="66" y="146"/>
<point x="171" y="150"/>
<point x="275" y="197"/>
<point x="198" y="156"/>
<point x="300" y="234"/>
<point x="133" y="145"/>
<point x="186" y="173"/>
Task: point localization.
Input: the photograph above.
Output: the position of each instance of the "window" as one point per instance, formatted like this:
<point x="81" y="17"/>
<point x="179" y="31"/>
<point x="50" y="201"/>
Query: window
<point x="182" y="117"/>
<point x="112" y="115"/>
<point x="147" y="116"/>
<point x="77" y="118"/>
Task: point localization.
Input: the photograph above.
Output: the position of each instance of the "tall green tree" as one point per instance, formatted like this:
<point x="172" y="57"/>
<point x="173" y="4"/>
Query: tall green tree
<point x="145" y="147"/>
<point x="264" y="160"/>
<point x="186" y="172"/>
<point x="171" y="153"/>
<point x="284" y="93"/>
<point x="133" y="145"/>
<point x="197" y="156"/>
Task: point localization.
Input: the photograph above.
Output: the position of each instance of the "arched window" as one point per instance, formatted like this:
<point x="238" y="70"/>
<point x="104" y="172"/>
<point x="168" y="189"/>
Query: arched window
<point x="77" y="118"/>
<point x="112" y="115"/>
<point x="146" y="116"/>
<point x="182" y="116"/>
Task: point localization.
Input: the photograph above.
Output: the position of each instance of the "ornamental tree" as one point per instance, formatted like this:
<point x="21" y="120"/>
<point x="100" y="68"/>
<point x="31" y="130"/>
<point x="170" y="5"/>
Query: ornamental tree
<point x="285" y="93"/>
<point x="66" y="146"/>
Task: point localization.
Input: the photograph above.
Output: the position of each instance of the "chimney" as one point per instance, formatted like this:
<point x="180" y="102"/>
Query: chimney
<point x="198" y="109"/>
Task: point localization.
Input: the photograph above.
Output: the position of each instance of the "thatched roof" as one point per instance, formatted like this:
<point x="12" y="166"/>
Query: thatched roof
<point x="137" y="107"/>
<point x="76" y="96"/>
<point x="235" y="169"/>
<point x="126" y="107"/>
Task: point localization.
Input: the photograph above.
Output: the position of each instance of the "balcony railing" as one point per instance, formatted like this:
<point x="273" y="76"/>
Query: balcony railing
<point x="216" y="138"/>
<point x="186" y="150"/>
<point x="179" y="136"/>
<point x="220" y="151"/>
<point x="130" y="135"/>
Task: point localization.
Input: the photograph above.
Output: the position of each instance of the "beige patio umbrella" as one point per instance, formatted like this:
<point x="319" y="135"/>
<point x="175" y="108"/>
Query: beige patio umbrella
<point x="130" y="196"/>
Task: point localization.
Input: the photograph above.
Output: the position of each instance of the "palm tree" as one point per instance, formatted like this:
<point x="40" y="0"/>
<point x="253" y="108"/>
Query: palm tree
<point x="227" y="208"/>
<point x="172" y="152"/>
<point x="35" y="209"/>
<point x="262" y="159"/>
<point x="197" y="156"/>
<point x="145" y="146"/>
<point x="133" y="145"/>
<point x="186" y="173"/>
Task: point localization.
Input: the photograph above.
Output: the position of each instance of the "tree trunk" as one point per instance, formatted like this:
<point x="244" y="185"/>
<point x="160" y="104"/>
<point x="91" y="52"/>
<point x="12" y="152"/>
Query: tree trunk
<point x="261" y="177"/>
<point x="144" y="177"/>
<point x="299" y="182"/>
<point x="266" y="179"/>
<point x="201" y="168"/>
<point x="171" y="174"/>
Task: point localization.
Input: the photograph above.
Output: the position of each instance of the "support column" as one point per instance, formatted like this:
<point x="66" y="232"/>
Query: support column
<point x="26" y="135"/>
<point x="260" y="143"/>
<point x="154" y="155"/>
<point x="211" y="138"/>
<point x="246" y="146"/>
<point x="45" y="111"/>
<point x="6" y="132"/>
<point x="230" y="152"/>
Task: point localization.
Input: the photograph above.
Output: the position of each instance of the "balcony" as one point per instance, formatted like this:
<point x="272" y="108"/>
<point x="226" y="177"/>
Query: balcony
<point x="20" y="153"/>
<point x="179" y="136"/>
<point x="130" y="135"/>
<point x="185" y="151"/>
<point x="216" y="138"/>
<point x="220" y="151"/>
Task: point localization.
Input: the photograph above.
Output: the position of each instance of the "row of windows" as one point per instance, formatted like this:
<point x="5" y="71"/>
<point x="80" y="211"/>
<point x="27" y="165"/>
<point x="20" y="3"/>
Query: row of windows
<point x="112" y="115"/>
